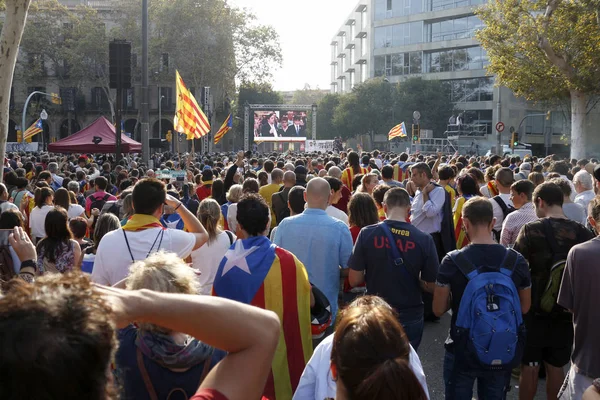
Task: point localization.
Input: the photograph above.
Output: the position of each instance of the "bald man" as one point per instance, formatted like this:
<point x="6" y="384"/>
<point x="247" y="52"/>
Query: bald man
<point x="321" y="242"/>
<point x="342" y="204"/>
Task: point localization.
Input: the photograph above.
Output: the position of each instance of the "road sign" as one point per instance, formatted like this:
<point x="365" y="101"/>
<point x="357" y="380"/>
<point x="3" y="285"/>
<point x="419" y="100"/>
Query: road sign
<point x="499" y="126"/>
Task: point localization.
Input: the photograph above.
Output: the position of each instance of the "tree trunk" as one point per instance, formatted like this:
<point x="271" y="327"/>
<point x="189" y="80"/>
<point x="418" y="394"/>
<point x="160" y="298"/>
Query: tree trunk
<point x="579" y="140"/>
<point x="10" y="39"/>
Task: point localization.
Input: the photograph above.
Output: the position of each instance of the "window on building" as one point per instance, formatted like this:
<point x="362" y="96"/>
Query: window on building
<point x="363" y="19"/>
<point x="477" y="89"/>
<point x="343" y="64"/>
<point x="343" y="85"/>
<point x="352" y="56"/>
<point x="352" y="30"/>
<point x="363" y="73"/>
<point x="363" y="45"/>
<point x="99" y="99"/>
<point x="343" y="41"/>
<point x="164" y="62"/>
<point x="167" y="101"/>
<point x="335" y="71"/>
<point x="352" y="80"/>
<point x="129" y="99"/>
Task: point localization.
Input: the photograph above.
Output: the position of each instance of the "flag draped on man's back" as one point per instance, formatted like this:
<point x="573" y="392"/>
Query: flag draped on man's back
<point x="254" y="271"/>
<point x="190" y="118"/>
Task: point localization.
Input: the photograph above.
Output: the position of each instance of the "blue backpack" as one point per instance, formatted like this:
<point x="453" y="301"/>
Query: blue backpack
<point x="490" y="333"/>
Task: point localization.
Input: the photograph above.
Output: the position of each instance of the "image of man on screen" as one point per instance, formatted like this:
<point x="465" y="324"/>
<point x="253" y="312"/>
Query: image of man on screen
<point x="283" y="127"/>
<point x="297" y="129"/>
<point x="269" y="129"/>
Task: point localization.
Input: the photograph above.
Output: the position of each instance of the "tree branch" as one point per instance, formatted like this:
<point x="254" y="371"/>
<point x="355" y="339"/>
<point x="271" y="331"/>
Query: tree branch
<point x="545" y="45"/>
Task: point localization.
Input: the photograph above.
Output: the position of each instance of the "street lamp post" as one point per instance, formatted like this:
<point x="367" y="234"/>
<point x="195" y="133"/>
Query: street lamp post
<point x="43" y="117"/>
<point x="23" y="127"/>
<point x="160" y="99"/>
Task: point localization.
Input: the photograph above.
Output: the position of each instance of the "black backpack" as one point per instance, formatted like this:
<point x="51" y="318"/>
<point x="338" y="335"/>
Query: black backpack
<point x="506" y="209"/>
<point x="99" y="203"/>
<point x="285" y="211"/>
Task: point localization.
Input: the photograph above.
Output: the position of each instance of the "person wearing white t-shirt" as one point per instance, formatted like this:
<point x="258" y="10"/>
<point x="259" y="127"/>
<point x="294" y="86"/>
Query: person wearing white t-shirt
<point x="336" y="194"/>
<point x="207" y="258"/>
<point x="317" y="381"/>
<point x="504" y="180"/>
<point x="37" y="217"/>
<point x="144" y="234"/>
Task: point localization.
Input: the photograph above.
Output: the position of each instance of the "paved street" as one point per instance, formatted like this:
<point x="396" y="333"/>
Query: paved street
<point x="431" y="354"/>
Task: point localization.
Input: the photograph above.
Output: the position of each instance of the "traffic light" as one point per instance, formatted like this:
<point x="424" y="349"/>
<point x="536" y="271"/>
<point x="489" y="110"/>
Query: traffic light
<point x="514" y="142"/>
<point x="416" y="133"/>
<point x="56" y="99"/>
<point x="169" y="136"/>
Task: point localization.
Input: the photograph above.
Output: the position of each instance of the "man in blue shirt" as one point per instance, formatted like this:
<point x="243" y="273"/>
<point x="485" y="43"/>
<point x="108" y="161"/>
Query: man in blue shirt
<point x="401" y="286"/>
<point x="322" y="243"/>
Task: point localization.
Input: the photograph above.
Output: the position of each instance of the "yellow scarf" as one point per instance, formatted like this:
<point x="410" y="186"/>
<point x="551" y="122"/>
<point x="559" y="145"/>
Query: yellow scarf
<point x="140" y="222"/>
<point x="207" y="183"/>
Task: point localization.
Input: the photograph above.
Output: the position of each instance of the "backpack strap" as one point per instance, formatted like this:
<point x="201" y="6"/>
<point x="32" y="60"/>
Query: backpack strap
<point x="465" y="266"/>
<point x="396" y="255"/>
<point x="502" y="204"/>
<point x="145" y="376"/>
<point x="105" y="198"/>
<point x="230" y="235"/>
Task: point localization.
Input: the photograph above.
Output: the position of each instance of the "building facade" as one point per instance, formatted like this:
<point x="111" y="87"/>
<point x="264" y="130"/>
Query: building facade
<point x="83" y="104"/>
<point x="435" y="39"/>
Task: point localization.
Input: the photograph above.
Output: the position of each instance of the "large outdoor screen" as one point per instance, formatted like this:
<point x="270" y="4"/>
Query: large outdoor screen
<point x="283" y="124"/>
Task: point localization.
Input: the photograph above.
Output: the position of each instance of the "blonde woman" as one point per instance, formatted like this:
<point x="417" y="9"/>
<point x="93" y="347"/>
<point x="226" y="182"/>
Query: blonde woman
<point x="233" y="196"/>
<point x="154" y="361"/>
<point x="207" y="258"/>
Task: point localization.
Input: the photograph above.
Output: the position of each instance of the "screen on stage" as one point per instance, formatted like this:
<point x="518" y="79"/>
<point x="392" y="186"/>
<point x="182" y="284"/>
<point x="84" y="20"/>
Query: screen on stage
<point x="280" y="124"/>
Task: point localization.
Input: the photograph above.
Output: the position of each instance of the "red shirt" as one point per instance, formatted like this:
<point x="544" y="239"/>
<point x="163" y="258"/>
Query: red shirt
<point x="354" y="231"/>
<point x="344" y="200"/>
<point x="203" y="192"/>
<point x="208" y="394"/>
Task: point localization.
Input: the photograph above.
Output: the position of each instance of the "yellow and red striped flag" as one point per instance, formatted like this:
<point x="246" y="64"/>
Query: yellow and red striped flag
<point x="227" y="125"/>
<point x="190" y="118"/>
<point x="33" y="130"/>
<point x="397" y="131"/>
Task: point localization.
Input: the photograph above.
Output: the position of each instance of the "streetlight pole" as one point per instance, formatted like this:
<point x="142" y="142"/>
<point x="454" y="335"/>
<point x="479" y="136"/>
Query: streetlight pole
<point x="160" y="99"/>
<point x="145" y="97"/>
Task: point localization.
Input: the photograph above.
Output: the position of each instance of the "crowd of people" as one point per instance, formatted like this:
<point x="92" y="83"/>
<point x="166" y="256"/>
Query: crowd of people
<point x="297" y="276"/>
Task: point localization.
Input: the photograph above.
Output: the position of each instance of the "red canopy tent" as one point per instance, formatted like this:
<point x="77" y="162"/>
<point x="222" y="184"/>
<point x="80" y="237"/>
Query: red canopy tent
<point x="82" y="141"/>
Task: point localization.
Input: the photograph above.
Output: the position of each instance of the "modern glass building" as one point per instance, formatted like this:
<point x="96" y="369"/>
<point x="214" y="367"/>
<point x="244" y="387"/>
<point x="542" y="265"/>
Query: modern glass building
<point x="435" y="39"/>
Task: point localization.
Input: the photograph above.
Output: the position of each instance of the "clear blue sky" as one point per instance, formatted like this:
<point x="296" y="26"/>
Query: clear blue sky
<point x="305" y="29"/>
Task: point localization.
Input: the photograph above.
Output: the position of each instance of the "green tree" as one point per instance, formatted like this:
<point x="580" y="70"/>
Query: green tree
<point x="547" y="50"/>
<point x="431" y="98"/>
<point x="254" y="93"/>
<point x="326" y="129"/>
<point x="365" y="110"/>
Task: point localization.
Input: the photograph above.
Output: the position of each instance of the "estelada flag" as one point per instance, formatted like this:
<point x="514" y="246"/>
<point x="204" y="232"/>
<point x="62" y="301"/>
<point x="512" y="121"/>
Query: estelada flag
<point x="461" y="237"/>
<point x="190" y="118"/>
<point x="254" y="271"/>
<point x="398" y="131"/>
<point x="33" y="130"/>
<point x="227" y="125"/>
<point x="401" y="171"/>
